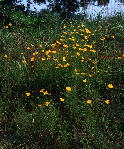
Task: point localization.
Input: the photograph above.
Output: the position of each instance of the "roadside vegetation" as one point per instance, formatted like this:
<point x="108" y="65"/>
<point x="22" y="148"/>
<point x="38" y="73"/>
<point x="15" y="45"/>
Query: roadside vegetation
<point x="61" y="82"/>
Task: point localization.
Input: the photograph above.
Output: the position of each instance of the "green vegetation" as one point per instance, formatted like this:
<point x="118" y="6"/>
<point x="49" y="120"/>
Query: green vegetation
<point x="61" y="82"/>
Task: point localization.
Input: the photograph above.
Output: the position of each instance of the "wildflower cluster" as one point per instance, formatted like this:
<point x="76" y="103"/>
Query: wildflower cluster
<point x="75" y="50"/>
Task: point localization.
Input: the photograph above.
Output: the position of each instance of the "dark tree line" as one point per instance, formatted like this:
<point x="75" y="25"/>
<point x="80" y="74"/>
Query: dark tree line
<point x="63" y="7"/>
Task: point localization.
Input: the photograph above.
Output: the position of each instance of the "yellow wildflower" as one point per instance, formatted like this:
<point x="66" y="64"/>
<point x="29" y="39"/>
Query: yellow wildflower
<point x="47" y="103"/>
<point x="28" y="48"/>
<point x="110" y="86"/>
<point x="32" y="45"/>
<point x="85" y="37"/>
<point x="87" y="30"/>
<point x="107" y="101"/>
<point x="6" y="27"/>
<point x="82" y="73"/>
<point x="10" y="24"/>
<point x="28" y="94"/>
<point x="43" y="59"/>
<point x="32" y="59"/>
<point x="90" y="46"/>
<point x="68" y="89"/>
<point x="39" y="105"/>
<point x="24" y="62"/>
<point x="92" y="50"/>
<point x="67" y="65"/>
<point x="58" y="42"/>
<point x="90" y="75"/>
<point x="64" y="32"/>
<point x="45" y="93"/>
<point x="84" y="80"/>
<point x="47" y="52"/>
<point x="42" y="90"/>
<point x="74" y="47"/>
<point x="89" y="101"/>
<point x="40" y="46"/>
<point x="64" y="26"/>
<point x="64" y="59"/>
<point x="61" y="99"/>
<point x="84" y="49"/>
<point x="75" y="70"/>
<point x="35" y="53"/>
<point x="77" y="53"/>
<point x="61" y="39"/>
<point x="53" y="51"/>
<point x="73" y="39"/>
<point x="5" y="56"/>
<point x="77" y="45"/>
<point x="65" y="46"/>
<point x="53" y="45"/>
<point x="62" y="36"/>
<point x="59" y="64"/>
<point x="102" y="38"/>
<point x="113" y="36"/>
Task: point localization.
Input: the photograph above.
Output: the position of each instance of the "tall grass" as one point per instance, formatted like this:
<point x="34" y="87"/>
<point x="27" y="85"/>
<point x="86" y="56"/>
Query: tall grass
<point x="61" y="83"/>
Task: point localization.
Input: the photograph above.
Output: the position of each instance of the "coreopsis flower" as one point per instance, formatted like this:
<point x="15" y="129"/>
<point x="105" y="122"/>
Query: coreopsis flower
<point x="24" y="62"/>
<point x="32" y="59"/>
<point x="87" y="30"/>
<point x="5" y="56"/>
<point x="110" y="86"/>
<point x="92" y="50"/>
<point x="43" y="59"/>
<point x="66" y="65"/>
<point x="107" y="101"/>
<point x="77" y="45"/>
<point x="113" y="36"/>
<point x="42" y="90"/>
<point x="90" y="75"/>
<point x="45" y="93"/>
<point x="6" y="27"/>
<point x="64" y="32"/>
<point x="47" y="103"/>
<point x="68" y="89"/>
<point x="28" y="48"/>
<point x="102" y="38"/>
<point x="64" y="59"/>
<point x="35" y="53"/>
<point x="47" y="52"/>
<point x="61" y="99"/>
<point x="77" y="53"/>
<point x="65" y="46"/>
<point x="58" y="42"/>
<point x="39" y="105"/>
<point x="10" y="24"/>
<point x="89" y="101"/>
<point x="27" y="94"/>
<point x="40" y="46"/>
<point x="84" y="80"/>
<point x="75" y="70"/>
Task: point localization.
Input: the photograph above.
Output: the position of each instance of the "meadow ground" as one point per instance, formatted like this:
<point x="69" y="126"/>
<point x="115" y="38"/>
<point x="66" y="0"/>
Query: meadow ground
<point x="61" y="83"/>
